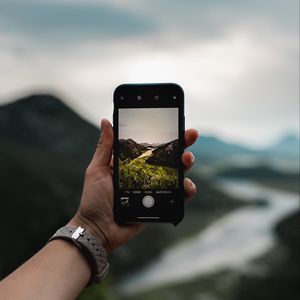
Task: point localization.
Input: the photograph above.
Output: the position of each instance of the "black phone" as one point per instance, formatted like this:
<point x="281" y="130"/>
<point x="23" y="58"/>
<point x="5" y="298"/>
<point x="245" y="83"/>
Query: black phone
<point x="148" y="144"/>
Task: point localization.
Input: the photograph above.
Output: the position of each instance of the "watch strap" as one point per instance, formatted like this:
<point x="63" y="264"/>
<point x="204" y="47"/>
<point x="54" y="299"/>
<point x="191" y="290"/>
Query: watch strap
<point x="90" y="247"/>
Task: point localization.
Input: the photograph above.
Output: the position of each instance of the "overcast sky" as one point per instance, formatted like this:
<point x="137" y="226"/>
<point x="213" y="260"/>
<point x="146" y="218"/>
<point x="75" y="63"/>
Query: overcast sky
<point x="236" y="60"/>
<point x="149" y="125"/>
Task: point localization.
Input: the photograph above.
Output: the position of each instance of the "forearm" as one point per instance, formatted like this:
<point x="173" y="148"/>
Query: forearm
<point x="58" y="271"/>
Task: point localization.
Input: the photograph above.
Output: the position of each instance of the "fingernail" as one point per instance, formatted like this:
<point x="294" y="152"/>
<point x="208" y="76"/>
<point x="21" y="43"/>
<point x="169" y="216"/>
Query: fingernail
<point x="101" y="133"/>
<point x="101" y="125"/>
<point x="192" y="184"/>
<point x="192" y="157"/>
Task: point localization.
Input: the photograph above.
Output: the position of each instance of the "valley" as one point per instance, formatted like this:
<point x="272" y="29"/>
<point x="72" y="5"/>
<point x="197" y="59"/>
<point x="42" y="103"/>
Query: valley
<point x="147" y="167"/>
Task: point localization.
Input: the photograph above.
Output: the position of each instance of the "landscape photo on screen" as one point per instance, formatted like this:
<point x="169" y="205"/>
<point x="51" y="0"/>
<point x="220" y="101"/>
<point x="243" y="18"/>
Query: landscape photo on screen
<point x="148" y="148"/>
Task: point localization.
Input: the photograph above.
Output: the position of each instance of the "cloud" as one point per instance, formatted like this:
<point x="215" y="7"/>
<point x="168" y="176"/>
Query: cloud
<point x="51" y="22"/>
<point x="237" y="63"/>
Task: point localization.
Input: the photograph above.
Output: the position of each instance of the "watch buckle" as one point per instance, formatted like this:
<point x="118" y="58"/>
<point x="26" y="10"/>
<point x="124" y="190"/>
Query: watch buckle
<point x="78" y="232"/>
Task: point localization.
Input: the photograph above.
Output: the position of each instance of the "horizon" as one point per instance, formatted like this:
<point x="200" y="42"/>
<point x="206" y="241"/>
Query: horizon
<point x="206" y="134"/>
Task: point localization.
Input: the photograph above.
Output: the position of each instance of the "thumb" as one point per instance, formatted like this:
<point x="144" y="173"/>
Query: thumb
<point x="102" y="155"/>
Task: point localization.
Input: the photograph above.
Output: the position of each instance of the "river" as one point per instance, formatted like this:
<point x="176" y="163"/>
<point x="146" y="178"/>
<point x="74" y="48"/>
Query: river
<point x="228" y="243"/>
<point x="146" y="153"/>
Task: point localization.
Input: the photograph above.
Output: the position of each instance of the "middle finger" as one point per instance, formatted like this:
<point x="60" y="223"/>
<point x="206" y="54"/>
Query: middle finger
<point x="188" y="160"/>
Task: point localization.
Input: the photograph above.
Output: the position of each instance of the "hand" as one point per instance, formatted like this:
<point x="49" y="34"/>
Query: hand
<point x="96" y="208"/>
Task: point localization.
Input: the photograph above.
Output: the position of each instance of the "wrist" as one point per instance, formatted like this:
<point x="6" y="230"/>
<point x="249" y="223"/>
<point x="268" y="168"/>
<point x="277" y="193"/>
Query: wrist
<point x="79" y="220"/>
<point x="88" y="244"/>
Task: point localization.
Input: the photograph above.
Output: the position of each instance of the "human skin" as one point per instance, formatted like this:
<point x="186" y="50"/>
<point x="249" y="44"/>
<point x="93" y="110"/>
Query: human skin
<point x="59" y="270"/>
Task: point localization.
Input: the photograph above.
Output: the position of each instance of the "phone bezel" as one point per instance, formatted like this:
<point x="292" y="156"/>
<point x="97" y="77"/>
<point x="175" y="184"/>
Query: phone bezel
<point x="172" y="213"/>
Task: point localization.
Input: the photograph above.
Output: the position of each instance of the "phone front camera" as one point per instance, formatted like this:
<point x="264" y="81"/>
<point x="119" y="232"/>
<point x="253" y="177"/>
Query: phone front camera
<point x="156" y="97"/>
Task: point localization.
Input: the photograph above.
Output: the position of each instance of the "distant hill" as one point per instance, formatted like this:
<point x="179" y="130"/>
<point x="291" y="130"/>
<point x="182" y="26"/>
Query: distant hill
<point x="129" y="149"/>
<point x="44" y="122"/>
<point x="287" y="146"/>
<point x="165" y="155"/>
<point x="45" y="148"/>
<point x="211" y="147"/>
<point x="212" y="152"/>
<point x="148" y="145"/>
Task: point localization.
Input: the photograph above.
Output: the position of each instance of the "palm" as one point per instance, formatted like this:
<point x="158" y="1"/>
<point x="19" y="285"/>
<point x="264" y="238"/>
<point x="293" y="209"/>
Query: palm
<point x="97" y="204"/>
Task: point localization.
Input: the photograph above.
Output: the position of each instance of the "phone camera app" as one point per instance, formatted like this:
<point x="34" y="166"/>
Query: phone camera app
<point x="148" y="149"/>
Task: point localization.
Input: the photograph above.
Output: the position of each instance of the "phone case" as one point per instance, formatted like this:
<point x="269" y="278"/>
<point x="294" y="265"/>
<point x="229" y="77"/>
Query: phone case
<point x="141" y="96"/>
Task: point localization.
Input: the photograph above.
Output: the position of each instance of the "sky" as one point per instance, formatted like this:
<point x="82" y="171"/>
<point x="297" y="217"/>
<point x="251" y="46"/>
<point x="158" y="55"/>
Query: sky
<point x="148" y="125"/>
<point x="237" y="61"/>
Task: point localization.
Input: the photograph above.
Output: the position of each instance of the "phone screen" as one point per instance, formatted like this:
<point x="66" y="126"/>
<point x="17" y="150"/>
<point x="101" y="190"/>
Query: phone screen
<point x="148" y="148"/>
<point x="148" y="154"/>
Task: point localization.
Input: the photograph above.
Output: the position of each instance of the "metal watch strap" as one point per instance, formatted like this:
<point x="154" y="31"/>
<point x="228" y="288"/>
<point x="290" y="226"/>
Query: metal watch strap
<point x="90" y="248"/>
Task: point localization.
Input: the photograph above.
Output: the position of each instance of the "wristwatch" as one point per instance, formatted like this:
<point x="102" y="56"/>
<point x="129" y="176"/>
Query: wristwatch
<point x="90" y="247"/>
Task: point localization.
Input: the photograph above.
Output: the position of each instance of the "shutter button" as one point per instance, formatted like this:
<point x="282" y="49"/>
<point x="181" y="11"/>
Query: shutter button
<point x="148" y="201"/>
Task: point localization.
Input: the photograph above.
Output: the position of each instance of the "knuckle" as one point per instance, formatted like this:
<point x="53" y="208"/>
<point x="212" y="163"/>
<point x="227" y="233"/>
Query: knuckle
<point x="89" y="171"/>
<point x="93" y="172"/>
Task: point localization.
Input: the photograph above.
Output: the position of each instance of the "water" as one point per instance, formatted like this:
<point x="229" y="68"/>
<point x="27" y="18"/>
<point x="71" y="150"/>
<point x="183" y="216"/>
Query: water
<point x="229" y="243"/>
<point x="146" y="153"/>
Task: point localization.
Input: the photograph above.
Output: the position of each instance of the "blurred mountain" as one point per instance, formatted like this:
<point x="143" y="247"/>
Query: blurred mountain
<point x="287" y="146"/>
<point x="215" y="154"/>
<point x="44" y="122"/>
<point x="45" y="148"/>
<point x="209" y="147"/>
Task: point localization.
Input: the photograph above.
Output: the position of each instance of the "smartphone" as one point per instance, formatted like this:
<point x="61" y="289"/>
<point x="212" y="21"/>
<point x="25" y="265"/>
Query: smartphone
<point x="148" y="144"/>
